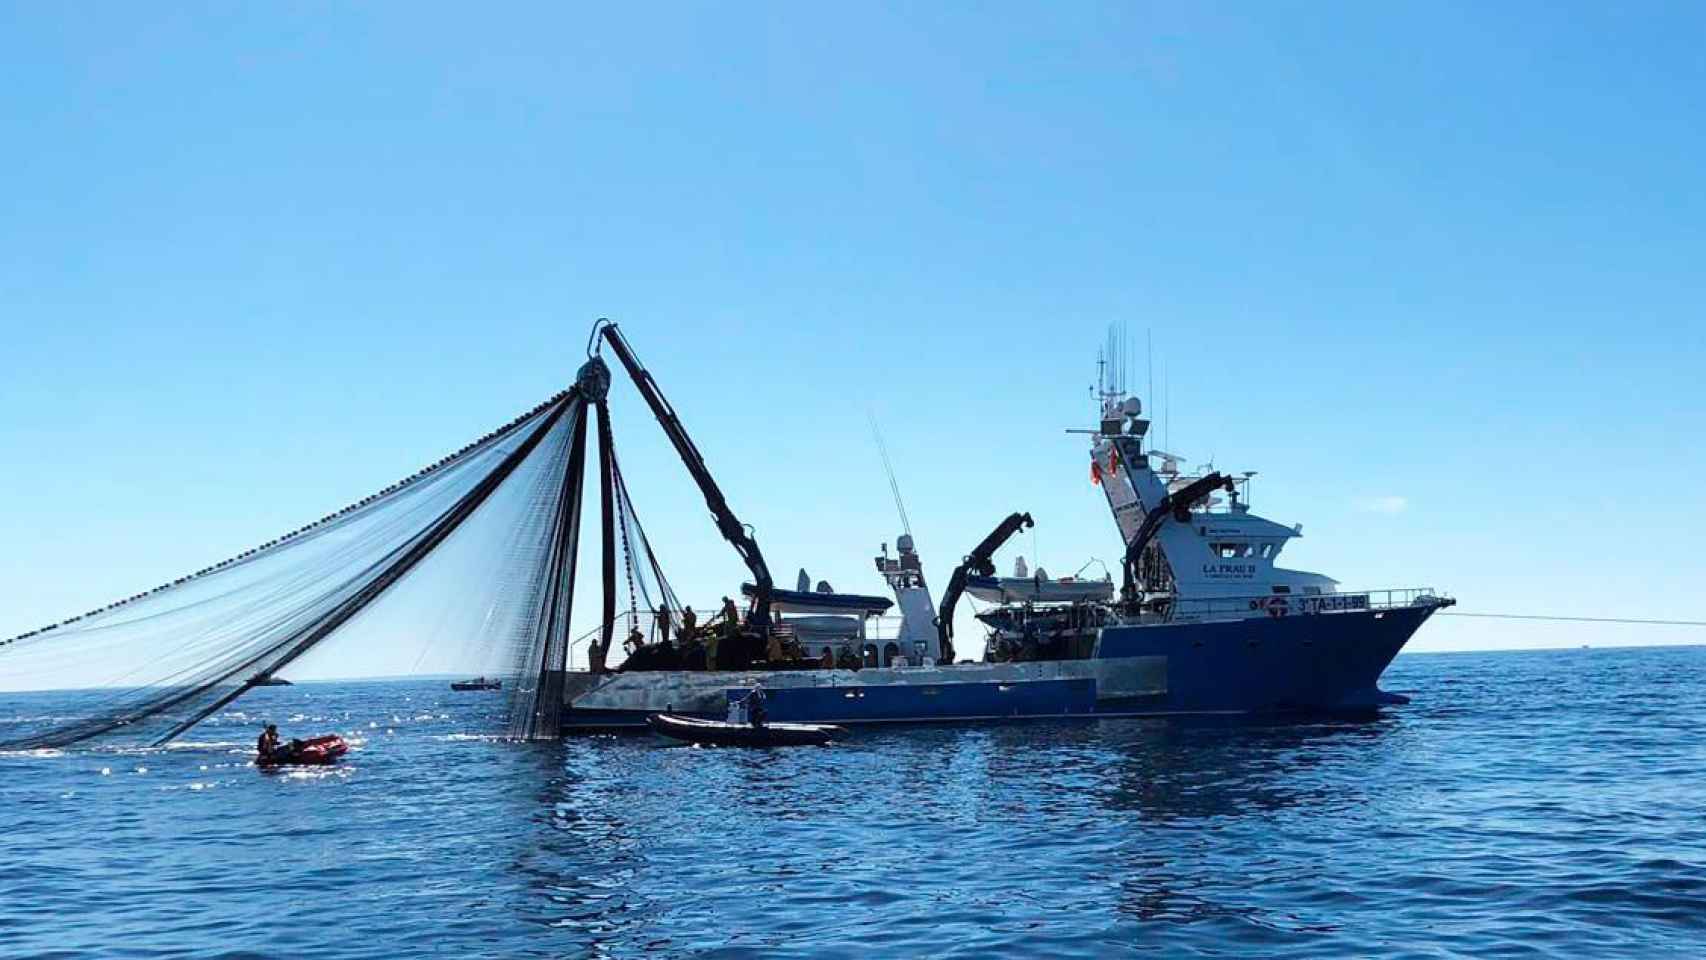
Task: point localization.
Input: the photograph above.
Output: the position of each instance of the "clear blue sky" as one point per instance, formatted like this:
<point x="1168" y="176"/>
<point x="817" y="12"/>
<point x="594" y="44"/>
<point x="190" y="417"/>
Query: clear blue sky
<point x="1434" y="269"/>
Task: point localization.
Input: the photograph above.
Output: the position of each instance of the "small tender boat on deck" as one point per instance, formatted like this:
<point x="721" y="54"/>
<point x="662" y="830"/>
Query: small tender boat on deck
<point x="315" y="751"/>
<point x="723" y="733"/>
<point x="1039" y="589"/>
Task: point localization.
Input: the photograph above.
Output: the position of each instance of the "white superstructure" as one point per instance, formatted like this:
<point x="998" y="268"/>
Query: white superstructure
<point x="905" y="576"/>
<point x="1222" y="550"/>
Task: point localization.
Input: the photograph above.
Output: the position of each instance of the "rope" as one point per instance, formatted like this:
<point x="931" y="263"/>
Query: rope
<point x="321" y="525"/>
<point x="627" y="550"/>
<point x="1625" y="620"/>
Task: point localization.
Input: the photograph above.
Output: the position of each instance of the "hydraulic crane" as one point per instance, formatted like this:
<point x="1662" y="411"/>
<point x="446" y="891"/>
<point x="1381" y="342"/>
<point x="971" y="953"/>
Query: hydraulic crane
<point x="1176" y="506"/>
<point x="739" y="535"/>
<point x="977" y="561"/>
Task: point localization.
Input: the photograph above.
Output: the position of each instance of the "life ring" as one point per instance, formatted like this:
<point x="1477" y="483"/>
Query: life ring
<point x="1278" y="607"/>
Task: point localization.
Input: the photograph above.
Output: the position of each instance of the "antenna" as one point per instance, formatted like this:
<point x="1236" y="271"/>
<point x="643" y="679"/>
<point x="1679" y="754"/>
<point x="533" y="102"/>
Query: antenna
<point x="1149" y="355"/>
<point x="1125" y="357"/>
<point x="1119" y="356"/>
<point x="1167" y="411"/>
<point x="888" y="467"/>
<point x="1125" y="337"/>
<point x="1113" y="361"/>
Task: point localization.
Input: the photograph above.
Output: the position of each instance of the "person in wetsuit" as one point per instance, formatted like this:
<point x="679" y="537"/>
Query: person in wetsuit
<point x="267" y="744"/>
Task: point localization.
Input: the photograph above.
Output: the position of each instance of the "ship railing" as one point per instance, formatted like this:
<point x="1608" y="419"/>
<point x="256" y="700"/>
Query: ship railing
<point x="1278" y="605"/>
<point x="625" y="624"/>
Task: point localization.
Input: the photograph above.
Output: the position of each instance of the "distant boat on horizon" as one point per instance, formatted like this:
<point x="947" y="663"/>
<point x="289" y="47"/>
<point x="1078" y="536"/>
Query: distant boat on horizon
<point x="478" y="683"/>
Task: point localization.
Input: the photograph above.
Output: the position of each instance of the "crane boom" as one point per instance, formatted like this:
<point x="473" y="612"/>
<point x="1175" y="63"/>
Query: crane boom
<point x="977" y="560"/>
<point x="735" y="532"/>
<point x="1176" y="505"/>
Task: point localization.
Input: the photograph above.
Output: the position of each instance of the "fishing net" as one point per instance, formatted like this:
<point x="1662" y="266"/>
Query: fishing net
<point x="639" y="607"/>
<point x="471" y="560"/>
<point x="487" y="528"/>
<point x="653" y="607"/>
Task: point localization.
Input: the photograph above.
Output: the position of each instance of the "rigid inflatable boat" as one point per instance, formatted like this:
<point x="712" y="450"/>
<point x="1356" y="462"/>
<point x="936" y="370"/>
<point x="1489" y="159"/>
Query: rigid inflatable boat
<point x="315" y="751"/>
<point x="725" y="734"/>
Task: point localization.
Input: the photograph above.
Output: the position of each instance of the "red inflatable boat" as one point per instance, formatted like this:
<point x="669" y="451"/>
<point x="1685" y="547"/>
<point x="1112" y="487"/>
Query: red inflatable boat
<point x="311" y="752"/>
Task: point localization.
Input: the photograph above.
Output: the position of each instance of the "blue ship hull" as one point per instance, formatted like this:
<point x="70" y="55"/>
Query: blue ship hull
<point x="1325" y="663"/>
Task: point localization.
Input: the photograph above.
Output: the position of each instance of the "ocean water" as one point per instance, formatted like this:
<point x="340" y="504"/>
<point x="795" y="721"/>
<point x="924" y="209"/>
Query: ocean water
<point x="1526" y="804"/>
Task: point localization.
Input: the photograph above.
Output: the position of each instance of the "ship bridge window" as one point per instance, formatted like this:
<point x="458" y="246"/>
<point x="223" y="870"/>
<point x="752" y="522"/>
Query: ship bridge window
<point x="1267" y="551"/>
<point x="1232" y="551"/>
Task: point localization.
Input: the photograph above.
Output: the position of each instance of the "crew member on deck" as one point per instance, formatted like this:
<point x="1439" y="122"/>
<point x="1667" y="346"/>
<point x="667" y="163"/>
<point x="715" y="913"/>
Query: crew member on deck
<point x="689" y="625"/>
<point x="730" y="651"/>
<point x="267" y="743"/>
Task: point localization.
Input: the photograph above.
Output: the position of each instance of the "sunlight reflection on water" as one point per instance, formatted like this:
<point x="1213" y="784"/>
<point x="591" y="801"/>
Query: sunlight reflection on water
<point x="1547" y="802"/>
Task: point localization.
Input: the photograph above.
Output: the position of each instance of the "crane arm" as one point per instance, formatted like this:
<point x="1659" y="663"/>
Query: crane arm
<point x="735" y="532"/>
<point x="1175" y="505"/>
<point x="977" y="561"/>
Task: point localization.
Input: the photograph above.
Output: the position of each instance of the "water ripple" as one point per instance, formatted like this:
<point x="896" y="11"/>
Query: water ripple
<point x="1524" y="805"/>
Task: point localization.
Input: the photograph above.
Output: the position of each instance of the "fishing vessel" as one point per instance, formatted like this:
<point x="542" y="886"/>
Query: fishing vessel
<point x="1198" y="618"/>
<point x="478" y="683"/>
<point x="1202" y="621"/>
